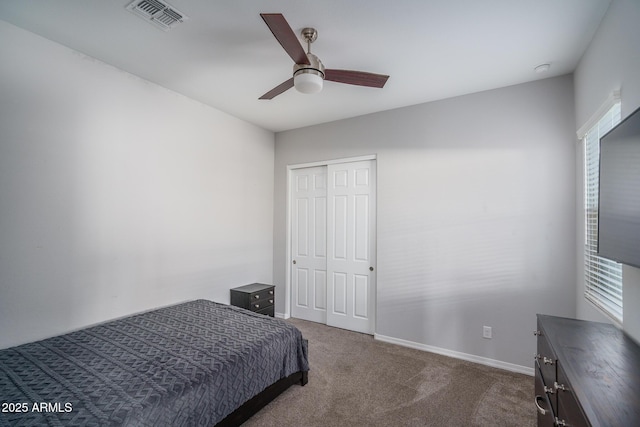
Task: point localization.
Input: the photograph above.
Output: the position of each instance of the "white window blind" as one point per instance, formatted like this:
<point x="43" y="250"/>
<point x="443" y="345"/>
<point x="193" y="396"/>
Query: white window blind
<point x="603" y="278"/>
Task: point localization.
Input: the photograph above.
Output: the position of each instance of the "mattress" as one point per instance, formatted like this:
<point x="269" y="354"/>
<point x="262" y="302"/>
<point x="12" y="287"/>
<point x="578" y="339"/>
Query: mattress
<point x="190" y="364"/>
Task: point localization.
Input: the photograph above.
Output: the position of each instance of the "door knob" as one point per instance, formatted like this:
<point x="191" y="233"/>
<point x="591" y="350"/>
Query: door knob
<point x="294" y="261"/>
<point x="370" y="268"/>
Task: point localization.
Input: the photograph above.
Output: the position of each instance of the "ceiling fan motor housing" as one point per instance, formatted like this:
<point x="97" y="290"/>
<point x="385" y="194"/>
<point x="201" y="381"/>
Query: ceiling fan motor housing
<point x="308" y="78"/>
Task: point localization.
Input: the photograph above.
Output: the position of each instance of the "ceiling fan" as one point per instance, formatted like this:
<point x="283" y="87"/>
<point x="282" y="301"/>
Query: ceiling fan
<point x="308" y="71"/>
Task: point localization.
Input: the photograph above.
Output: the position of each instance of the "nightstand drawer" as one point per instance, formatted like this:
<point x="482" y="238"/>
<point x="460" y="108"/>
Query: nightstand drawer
<point x="261" y="305"/>
<point x="261" y="296"/>
<point x="269" y="311"/>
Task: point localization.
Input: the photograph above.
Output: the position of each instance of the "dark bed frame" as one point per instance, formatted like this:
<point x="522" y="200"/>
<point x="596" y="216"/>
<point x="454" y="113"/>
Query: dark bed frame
<point x="262" y="399"/>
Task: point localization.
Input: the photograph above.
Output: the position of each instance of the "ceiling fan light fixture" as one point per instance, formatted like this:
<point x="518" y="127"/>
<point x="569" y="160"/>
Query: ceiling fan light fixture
<point x="309" y="78"/>
<point x="308" y="81"/>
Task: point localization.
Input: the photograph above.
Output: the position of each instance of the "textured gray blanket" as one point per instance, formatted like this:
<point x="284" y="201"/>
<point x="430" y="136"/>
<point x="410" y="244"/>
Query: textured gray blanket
<point x="190" y="364"/>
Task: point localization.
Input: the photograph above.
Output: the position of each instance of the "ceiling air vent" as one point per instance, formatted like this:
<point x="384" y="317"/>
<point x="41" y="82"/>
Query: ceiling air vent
<point x="160" y="14"/>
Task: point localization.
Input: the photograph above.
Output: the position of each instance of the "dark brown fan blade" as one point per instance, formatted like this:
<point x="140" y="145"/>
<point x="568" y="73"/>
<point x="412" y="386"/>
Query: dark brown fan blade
<point x="359" y="78"/>
<point x="285" y="35"/>
<point x="282" y="87"/>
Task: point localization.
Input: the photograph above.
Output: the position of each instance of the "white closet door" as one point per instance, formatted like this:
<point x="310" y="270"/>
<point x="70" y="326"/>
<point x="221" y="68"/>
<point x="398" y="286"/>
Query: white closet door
<point x="309" y="244"/>
<point x="351" y="246"/>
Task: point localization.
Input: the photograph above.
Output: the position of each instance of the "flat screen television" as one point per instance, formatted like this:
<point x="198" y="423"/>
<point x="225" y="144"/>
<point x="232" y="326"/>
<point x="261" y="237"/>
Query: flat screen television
<point x="619" y="196"/>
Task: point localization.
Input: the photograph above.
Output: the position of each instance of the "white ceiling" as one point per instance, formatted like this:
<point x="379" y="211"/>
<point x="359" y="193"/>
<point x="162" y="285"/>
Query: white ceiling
<point x="225" y="56"/>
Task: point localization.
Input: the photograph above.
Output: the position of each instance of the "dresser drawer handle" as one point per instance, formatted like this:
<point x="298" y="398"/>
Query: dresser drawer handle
<point x="549" y="390"/>
<point x="558" y="386"/>
<point x="256" y="305"/>
<point x="546" y="360"/>
<point x="271" y="292"/>
<point x="256" y="296"/>
<point x="560" y="423"/>
<point x="540" y="409"/>
<point x="537" y="333"/>
<point x="270" y="301"/>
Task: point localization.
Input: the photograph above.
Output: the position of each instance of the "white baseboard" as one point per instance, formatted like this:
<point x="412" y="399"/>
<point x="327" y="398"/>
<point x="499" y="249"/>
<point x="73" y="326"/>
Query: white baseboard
<point x="281" y="315"/>
<point x="458" y="355"/>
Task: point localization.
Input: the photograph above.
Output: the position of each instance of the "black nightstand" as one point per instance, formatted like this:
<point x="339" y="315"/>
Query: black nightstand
<point x="255" y="297"/>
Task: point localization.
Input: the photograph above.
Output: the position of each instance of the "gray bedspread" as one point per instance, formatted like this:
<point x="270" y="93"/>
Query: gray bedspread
<point x="190" y="364"/>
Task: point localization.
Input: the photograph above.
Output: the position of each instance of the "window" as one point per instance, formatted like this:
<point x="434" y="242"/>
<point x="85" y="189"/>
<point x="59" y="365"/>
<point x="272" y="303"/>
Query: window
<point x="603" y="278"/>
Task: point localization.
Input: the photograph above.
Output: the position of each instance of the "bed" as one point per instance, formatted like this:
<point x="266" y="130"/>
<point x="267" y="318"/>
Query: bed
<point x="198" y="363"/>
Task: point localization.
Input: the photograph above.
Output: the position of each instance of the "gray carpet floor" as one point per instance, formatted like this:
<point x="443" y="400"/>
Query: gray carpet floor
<point x="357" y="381"/>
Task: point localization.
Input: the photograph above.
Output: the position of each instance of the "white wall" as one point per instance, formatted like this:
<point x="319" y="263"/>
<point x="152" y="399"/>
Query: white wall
<point x="117" y="195"/>
<point x="611" y="62"/>
<point x="475" y="214"/>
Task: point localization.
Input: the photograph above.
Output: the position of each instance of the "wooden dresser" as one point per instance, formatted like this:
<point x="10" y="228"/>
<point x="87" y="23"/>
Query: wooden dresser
<point x="586" y="373"/>
<point x="255" y="297"/>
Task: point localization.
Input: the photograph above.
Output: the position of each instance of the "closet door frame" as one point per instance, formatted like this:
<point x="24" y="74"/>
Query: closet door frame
<point x="288" y="258"/>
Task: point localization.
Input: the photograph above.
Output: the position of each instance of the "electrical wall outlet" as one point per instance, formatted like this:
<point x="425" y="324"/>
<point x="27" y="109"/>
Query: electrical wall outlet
<point x="486" y="332"/>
